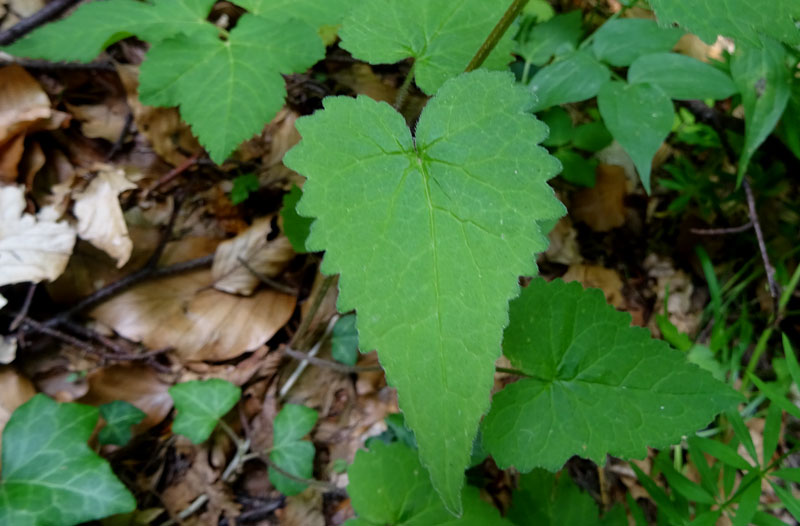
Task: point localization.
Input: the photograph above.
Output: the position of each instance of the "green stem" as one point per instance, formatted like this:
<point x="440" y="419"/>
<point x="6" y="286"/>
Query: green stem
<point x="402" y="92"/>
<point x="497" y="33"/>
<point x="515" y="372"/>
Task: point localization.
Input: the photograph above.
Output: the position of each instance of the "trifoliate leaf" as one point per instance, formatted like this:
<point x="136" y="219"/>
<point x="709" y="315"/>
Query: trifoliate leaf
<point x="430" y="234"/>
<point x="344" y="341"/>
<point x="764" y="82"/>
<point x="619" y="42"/>
<point x="740" y="19"/>
<point x="640" y="117"/>
<point x="120" y="416"/>
<point x="243" y="186"/>
<point x="200" y="404"/>
<point x="576" y="77"/>
<point x="559" y="35"/>
<point x="546" y="500"/>
<point x="50" y="477"/>
<point x="228" y="89"/>
<point x="295" y="226"/>
<point x="441" y="37"/>
<point x="96" y="25"/>
<point x="595" y="385"/>
<point x="289" y="452"/>
<point x="681" y="77"/>
<point x="389" y="486"/>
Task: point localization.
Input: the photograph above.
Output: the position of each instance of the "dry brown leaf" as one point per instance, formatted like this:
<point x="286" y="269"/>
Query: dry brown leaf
<point x="260" y="255"/>
<point x="304" y="509"/>
<point x="100" y="219"/>
<point x="603" y="206"/>
<point x="136" y="384"/>
<point x="199" y="322"/>
<point x="15" y="390"/>
<point x="8" y="345"/>
<point x="563" y="246"/>
<point x="31" y="248"/>
<point x="605" y="279"/>
<point x="169" y="136"/>
<point x="363" y="80"/>
<point x="10" y="157"/>
<point x="101" y="121"/>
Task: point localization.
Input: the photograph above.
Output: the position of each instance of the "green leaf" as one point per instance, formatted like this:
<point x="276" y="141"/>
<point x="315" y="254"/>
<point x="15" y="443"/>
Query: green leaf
<point x="575" y="77"/>
<point x="592" y="137"/>
<point x="50" y="477"/>
<point x="243" y="186"/>
<point x="559" y="125"/>
<point x="120" y="416"/>
<point x="640" y="117"/>
<point x="597" y="386"/>
<point x="95" y="26"/>
<point x="441" y="37"/>
<point x="681" y="77"/>
<point x="544" y="500"/>
<point x="764" y="82"/>
<point x="450" y="215"/>
<point x="557" y="36"/>
<point x="619" y="42"/>
<point x="228" y="89"/>
<point x="200" y="404"/>
<point x="389" y="486"/>
<point x="682" y="485"/>
<point x="344" y="340"/>
<point x="748" y="500"/>
<point x="722" y="452"/>
<point x="295" y="226"/>
<point x="577" y="169"/>
<point x="740" y="19"/>
<point x="289" y="451"/>
<point x="316" y="13"/>
<point x="788" y="499"/>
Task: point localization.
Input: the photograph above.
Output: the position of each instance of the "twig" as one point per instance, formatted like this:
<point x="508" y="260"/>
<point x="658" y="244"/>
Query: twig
<point x="117" y="146"/>
<point x="328" y="364"/>
<point x="26" y="305"/>
<point x="327" y="487"/>
<point x="312" y="311"/>
<point x="42" y="16"/>
<point x="723" y="231"/>
<point x="280" y="287"/>
<point x="43" y="65"/>
<point x="497" y="33"/>
<point x="172" y="174"/>
<point x="302" y="366"/>
<point x="59" y="335"/>
<point x="751" y="205"/>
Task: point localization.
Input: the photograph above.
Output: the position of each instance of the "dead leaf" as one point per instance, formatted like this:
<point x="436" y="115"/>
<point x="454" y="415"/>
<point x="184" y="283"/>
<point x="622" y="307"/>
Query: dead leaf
<point x="10" y="157"/>
<point x="362" y="80"/>
<point x="603" y="206"/>
<point x="260" y="255"/>
<point x="602" y="278"/>
<point x="563" y="246"/>
<point x="15" y="390"/>
<point x="31" y="248"/>
<point x="101" y="121"/>
<point x="304" y="509"/>
<point x="169" y="136"/>
<point x="100" y="219"/>
<point x="8" y="346"/>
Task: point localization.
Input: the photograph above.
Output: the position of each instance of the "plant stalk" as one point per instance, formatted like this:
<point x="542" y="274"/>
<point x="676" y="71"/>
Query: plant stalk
<point x="497" y="33"/>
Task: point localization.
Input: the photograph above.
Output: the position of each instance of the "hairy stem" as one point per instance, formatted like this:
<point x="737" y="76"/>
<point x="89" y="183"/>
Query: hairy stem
<point x="497" y="33"/>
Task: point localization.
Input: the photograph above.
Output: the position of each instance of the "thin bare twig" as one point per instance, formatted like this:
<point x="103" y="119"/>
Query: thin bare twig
<point x="327" y="487"/>
<point x="328" y="364"/>
<point x="40" y="17"/>
<point x="43" y="65"/>
<point x="303" y="364"/>
<point x="117" y="146"/>
<point x="26" y="306"/>
<point x="312" y="311"/>
<point x="266" y="280"/>
<point x="762" y="246"/>
<point x="723" y="231"/>
<point x="172" y="174"/>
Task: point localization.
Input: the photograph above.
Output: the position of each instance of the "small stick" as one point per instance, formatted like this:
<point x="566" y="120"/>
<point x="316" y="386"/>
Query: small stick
<point x="44" y="65"/>
<point x="172" y="174"/>
<point x="302" y="366"/>
<point x="266" y="280"/>
<point x="325" y="486"/>
<point x="42" y="16"/>
<point x="723" y="231"/>
<point x="312" y="311"/>
<point x="497" y="33"/>
<point x="336" y="366"/>
<point x="751" y="204"/>
<point x="23" y="313"/>
<point x="117" y="146"/>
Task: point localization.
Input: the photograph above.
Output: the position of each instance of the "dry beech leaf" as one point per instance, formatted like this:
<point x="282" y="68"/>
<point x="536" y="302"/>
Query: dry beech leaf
<point x="262" y="256"/>
<point x="184" y="312"/>
<point x="304" y="509"/>
<point x="134" y="383"/>
<point x="363" y="80"/>
<point x="597" y="277"/>
<point x="100" y="219"/>
<point x="603" y="206"/>
<point x="31" y="248"/>
<point x="101" y="121"/>
<point x="10" y="157"/>
<point x="15" y="390"/>
<point x="563" y="247"/>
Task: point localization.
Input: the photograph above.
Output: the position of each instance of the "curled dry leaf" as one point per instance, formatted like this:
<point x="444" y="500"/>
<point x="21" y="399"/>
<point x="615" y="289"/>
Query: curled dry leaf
<point x="31" y="248"/>
<point x="15" y="390"/>
<point x="598" y="277"/>
<point x="238" y="262"/>
<point x="186" y="313"/>
<point x="603" y="206"/>
<point x="100" y="218"/>
<point x="101" y="121"/>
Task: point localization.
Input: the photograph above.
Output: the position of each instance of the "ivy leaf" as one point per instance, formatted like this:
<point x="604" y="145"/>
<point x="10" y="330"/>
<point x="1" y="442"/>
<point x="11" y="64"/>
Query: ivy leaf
<point x="295" y="226"/>
<point x="574" y="78"/>
<point x="596" y="385"/>
<point x="96" y="25"/>
<point x="765" y="84"/>
<point x="740" y="19"/>
<point x="289" y="452"/>
<point x="681" y="77"/>
<point x="344" y="341"/>
<point x="228" y="89"/>
<point x="119" y="416"/>
<point x="200" y="404"/>
<point x="389" y="486"/>
<point x="50" y="477"/>
<point x="640" y="117"/>
<point x="619" y="42"/>
<point x="451" y="216"/>
<point x="441" y="37"/>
